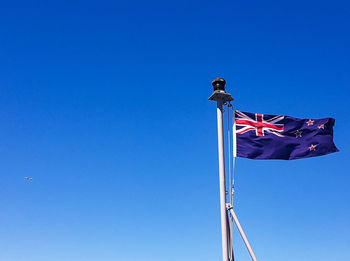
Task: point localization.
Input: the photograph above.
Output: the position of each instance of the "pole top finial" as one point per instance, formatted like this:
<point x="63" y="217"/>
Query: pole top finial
<point x="219" y="84"/>
<point x="219" y="91"/>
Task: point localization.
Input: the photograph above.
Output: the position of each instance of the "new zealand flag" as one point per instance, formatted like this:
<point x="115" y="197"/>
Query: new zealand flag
<point x="263" y="136"/>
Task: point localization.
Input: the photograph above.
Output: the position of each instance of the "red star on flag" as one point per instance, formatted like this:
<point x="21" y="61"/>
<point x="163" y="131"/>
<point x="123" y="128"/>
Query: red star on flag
<point x="321" y="126"/>
<point x="312" y="147"/>
<point x="298" y="134"/>
<point x="310" y="122"/>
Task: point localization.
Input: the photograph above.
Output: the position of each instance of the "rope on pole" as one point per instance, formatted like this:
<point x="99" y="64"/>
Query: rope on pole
<point x="230" y="180"/>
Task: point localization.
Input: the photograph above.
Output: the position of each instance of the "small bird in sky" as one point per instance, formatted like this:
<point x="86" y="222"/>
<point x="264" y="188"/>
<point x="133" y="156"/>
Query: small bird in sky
<point x="28" y="178"/>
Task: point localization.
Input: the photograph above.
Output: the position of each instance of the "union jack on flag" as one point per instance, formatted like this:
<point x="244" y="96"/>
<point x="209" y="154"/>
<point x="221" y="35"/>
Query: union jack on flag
<point x="259" y="124"/>
<point x="264" y="136"/>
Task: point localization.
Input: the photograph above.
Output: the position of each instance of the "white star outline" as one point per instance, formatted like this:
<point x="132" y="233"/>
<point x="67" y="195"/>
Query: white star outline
<point x="298" y="134"/>
<point x="313" y="147"/>
<point x="310" y="122"/>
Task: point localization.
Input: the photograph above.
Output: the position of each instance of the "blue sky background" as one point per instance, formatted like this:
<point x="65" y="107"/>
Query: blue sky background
<point x="104" y="104"/>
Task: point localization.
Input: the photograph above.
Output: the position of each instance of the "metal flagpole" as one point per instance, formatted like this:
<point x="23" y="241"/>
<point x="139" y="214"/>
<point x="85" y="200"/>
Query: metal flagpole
<point x="221" y="96"/>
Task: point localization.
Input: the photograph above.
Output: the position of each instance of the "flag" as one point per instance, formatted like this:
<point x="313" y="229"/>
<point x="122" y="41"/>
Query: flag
<point x="263" y="136"/>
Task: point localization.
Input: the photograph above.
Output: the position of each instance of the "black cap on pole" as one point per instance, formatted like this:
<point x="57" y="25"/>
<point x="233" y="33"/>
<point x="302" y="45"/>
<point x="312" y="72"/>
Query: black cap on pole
<point x="219" y="84"/>
<point x="219" y="91"/>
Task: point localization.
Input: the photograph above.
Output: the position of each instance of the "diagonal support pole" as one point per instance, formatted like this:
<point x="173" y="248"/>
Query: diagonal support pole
<point x="240" y="229"/>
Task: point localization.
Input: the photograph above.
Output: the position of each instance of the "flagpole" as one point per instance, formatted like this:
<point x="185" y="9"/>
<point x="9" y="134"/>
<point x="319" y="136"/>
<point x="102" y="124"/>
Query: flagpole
<point x="221" y="96"/>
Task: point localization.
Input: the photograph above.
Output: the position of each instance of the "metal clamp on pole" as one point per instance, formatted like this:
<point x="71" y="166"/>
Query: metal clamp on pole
<point x="244" y="237"/>
<point x="221" y="96"/>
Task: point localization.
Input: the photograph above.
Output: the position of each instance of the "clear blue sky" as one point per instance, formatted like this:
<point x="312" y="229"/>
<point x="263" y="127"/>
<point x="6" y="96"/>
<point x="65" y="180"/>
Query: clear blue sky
<point x="104" y="104"/>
